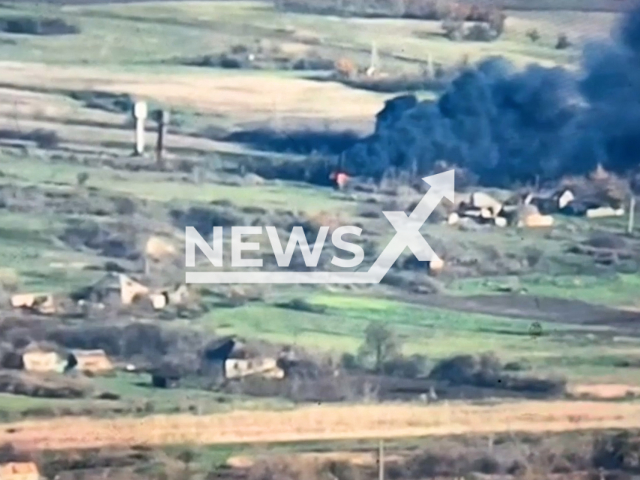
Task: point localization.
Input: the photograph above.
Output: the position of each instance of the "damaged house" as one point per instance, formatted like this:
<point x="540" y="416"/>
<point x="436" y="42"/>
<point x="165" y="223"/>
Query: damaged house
<point x="600" y="195"/>
<point x="89" y="361"/>
<point x="43" y="303"/>
<point x="482" y="208"/>
<point x="549" y="201"/>
<point x="19" y="471"/>
<point x="223" y="359"/>
<point x="118" y="289"/>
<point x="41" y="361"/>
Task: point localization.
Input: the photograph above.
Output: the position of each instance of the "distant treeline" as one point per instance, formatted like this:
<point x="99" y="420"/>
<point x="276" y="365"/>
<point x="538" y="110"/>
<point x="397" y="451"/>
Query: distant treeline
<point x="317" y="7"/>
<point x="470" y="10"/>
<point x="478" y="11"/>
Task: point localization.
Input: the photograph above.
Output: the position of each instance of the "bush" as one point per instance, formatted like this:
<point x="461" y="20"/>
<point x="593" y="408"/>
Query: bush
<point x="302" y="305"/>
<point x="43" y="138"/>
<point x="563" y="42"/>
<point x="313" y="62"/>
<point x="349" y="361"/>
<point x="37" y="26"/>
<point x="486" y="371"/>
<point x="125" y="205"/>
<point x="82" y="178"/>
<point x="107" y="101"/>
<point x="618" y="452"/>
<point x="414" y="366"/>
<point x="46" y="139"/>
<point x="453" y="29"/>
<point x="533" y="35"/>
<point x="480" y="32"/>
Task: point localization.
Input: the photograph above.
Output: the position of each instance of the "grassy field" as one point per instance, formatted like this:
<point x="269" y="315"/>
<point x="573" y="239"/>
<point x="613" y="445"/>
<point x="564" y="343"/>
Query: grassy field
<point x="125" y="49"/>
<point x="614" y="290"/>
<point x="578" y="352"/>
<point x="202" y="27"/>
<point x="138" y="49"/>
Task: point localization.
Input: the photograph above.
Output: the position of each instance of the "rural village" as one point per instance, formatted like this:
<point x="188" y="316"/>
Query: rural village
<point x="514" y="355"/>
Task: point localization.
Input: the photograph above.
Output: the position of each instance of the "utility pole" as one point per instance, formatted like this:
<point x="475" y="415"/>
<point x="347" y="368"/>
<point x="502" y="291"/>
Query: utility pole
<point x="162" y="119"/>
<point x="381" y="460"/>
<point x="140" y="115"/>
<point x="632" y="212"/>
<point x="430" y="69"/>
<point x="374" y="60"/>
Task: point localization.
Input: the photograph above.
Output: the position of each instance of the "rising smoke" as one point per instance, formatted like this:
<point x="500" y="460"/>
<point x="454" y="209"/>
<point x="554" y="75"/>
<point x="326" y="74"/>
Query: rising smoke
<point x="511" y="125"/>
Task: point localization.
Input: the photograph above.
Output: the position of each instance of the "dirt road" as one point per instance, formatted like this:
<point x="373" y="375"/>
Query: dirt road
<point x="530" y="307"/>
<point x="320" y="423"/>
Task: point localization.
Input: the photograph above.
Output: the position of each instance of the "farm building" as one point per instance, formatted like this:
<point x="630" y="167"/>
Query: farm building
<point x="43" y="361"/>
<point x="120" y="289"/>
<point x="91" y="361"/>
<point x="19" y="471"/>
<point x="244" y="367"/>
<point x="178" y="296"/>
<point x="529" y="216"/>
<point x="114" y="287"/>
<point x="39" y="302"/>
<point x="550" y="201"/>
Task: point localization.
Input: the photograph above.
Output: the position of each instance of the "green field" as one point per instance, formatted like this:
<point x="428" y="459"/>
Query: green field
<point x="140" y="49"/>
<point x="138" y="33"/>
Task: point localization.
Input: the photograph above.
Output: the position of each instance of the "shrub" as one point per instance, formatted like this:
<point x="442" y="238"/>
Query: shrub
<point x="125" y="205"/>
<point x="107" y="101"/>
<point x="302" y="305"/>
<point x="41" y="137"/>
<point x="228" y="61"/>
<point x="349" y="361"/>
<point x="313" y="62"/>
<point x="618" y="452"/>
<point x="406" y="367"/>
<point x="82" y="178"/>
<point x="453" y="29"/>
<point x="533" y="35"/>
<point x="37" y="26"/>
<point x="45" y="138"/>
<point x="563" y="42"/>
<point x="480" y="32"/>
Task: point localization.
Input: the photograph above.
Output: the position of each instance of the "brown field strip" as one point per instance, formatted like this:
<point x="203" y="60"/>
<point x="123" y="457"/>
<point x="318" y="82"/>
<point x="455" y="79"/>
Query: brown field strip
<point x="320" y="423"/>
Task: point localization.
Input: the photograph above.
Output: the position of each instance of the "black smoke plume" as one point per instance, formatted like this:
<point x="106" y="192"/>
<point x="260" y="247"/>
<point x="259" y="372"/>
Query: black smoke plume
<point x="511" y="125"/>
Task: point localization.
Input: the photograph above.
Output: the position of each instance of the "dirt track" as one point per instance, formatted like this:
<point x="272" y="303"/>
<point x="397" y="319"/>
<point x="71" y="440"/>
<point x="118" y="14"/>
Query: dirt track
<point x="320" y="423"/>
<point x="531" y="307"/>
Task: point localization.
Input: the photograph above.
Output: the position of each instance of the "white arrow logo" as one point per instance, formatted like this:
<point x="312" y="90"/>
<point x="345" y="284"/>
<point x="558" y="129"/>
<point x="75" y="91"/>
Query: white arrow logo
<point x="407" y="235"/>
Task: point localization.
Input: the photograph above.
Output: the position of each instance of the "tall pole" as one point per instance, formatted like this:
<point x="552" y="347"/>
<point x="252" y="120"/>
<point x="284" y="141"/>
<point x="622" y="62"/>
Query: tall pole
<point x="140" y="115"/>
<point x="632" y="211"/>
<point x="430" y="70"/>
<point x="162" y="118"/>
<point x="381" y="460"/>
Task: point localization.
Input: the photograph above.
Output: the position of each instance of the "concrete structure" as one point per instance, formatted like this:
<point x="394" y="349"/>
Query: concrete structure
<point x="485" y="202"/>
<point x="536" y="221"/>
<point x="242" y="367"/>
<point x="604" y="212"/>
<point x="139" y="115"/>
<point x="157" y="248"/>
<point x="40" y="361"/>
<point x="90" y="361"/>
<point x="19" y="471"/>
<point x="115" y="286"/>
<point x="435" y="266"/>
<point x="40" y="302"/>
